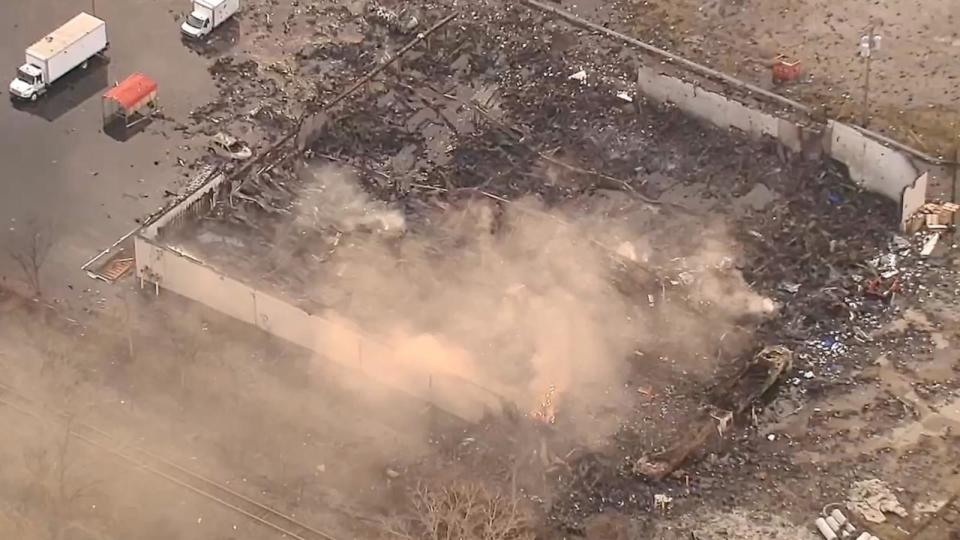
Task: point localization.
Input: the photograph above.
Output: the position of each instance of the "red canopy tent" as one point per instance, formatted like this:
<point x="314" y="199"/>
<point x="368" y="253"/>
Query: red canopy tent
<point x="125" y="101"/>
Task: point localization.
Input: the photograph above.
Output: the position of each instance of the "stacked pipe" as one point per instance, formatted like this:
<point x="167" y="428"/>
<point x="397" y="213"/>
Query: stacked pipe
<point x="835" y="525"/>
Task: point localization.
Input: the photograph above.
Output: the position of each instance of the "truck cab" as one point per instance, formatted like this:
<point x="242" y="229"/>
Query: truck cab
<point x="207" y="15"/>
<point x="198" y="23"/>
<point x="29" y="82"/>
<point x="58" y="53"/>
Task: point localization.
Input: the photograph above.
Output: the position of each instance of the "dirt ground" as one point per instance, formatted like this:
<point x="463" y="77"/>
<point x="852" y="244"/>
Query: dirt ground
<point x="872" y="392"/>
<point x="97" y="497"/>
<point x="913" y="89"/>
<point x="209" y="411"/>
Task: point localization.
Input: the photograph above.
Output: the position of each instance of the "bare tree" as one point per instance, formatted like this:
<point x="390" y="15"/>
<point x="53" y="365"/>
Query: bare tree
<point x="191" y="348"/>
<point x="463" y="511"/>
<point x="56" y="490"/>
<point x="63" y="376"/>
<point x="29" y="249"/>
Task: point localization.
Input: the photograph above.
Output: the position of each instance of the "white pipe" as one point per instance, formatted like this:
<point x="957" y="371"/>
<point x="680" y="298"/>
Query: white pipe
<point x="825" y="529"/>
<point x="838" y="515"/>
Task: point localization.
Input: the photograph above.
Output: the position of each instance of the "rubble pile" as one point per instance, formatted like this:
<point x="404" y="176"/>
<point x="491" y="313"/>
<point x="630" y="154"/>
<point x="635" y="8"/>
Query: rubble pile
<point x="505" y="103"/>
<point x="265" y="91"/>
<point x="482" y="105"/>
<point x="841" y="272"/>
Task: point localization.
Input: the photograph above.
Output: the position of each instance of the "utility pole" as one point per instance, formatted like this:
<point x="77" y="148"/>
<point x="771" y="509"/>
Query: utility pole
<point x="869" y="43"/>
<point x="128" y="323"/>
<point x="956" y="182"/>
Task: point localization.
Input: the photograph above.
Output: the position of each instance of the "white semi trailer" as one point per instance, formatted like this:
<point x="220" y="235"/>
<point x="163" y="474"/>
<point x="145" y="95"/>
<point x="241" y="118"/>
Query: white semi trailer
<point x="67" y="47"/>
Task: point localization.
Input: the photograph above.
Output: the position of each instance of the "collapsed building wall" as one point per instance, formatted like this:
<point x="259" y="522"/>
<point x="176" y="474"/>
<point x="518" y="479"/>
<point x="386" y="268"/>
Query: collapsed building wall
<point x="871" y="164"/>
<point x="887" y="169"/>
<point x="176" y="270"/>
<point x="173" y="269"/>
<point x="914" y="197"/>
<point x="719" y="110"/>
<point x="181" y="272"/>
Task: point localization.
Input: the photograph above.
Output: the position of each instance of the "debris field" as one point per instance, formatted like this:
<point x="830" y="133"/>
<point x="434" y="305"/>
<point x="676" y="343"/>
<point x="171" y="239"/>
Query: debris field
<point x="721" y="248"/>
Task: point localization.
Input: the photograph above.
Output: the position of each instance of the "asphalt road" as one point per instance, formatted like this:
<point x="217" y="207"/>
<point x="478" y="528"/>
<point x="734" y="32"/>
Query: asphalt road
<point x="59" y="170"/>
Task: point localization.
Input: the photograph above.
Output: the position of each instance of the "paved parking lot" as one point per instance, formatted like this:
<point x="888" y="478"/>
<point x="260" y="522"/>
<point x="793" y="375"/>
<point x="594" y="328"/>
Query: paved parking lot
<point x="59" y="169"/>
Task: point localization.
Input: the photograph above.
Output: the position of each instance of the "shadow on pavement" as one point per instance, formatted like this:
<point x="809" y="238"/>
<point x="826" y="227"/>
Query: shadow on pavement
<point x="118" y="129"/>
<point x="219" y="42"/>
<point x="69" y="91"/>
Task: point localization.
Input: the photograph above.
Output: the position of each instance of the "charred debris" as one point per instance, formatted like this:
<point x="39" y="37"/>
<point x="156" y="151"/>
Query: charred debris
<point x="505" y="103"/>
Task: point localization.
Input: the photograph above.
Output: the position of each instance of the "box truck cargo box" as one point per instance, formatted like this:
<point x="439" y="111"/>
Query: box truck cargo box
<point x="207" y="15"/>
<point x="64" y="49"/>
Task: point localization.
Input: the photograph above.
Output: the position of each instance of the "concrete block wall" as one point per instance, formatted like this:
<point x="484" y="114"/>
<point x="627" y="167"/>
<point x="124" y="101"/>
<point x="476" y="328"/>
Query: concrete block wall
<point x="717" y="109"/>
<point x="331" y="338"/>
<point x="334" y="340"/>
<point x="914" y="197"/>
<point x="871" y="164"/>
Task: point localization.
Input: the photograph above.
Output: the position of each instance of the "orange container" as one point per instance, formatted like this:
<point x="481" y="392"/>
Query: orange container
<point x="784" y="71"/>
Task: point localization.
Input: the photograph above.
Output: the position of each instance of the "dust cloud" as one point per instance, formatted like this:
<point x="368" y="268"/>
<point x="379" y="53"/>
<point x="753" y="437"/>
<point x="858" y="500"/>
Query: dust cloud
<point x="333" y="199"/>
<point x="545" y="309"/>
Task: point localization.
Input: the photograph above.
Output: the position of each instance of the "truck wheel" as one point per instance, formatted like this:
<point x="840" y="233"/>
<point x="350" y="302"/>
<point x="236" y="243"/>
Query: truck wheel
<point x="33" y="96"/>
<point x="83" y="65"/>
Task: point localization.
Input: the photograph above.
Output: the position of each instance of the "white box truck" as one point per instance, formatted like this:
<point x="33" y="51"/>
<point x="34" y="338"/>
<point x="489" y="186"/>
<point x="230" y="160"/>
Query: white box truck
<point x="207" y="15"/>
<point x="55" y="55"/>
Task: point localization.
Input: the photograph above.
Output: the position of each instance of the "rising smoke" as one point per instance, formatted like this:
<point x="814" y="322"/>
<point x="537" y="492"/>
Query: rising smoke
<point x="543" y="307"/>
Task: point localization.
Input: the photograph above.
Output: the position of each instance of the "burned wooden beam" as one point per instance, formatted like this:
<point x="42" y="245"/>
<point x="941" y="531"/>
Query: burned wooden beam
<point x="731" y="398"/>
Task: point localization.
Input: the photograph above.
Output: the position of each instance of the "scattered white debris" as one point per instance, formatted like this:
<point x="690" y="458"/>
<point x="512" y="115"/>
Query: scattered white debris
<point x="579" y="76"/>
<point x="929" y="244"/>
<point x="900" y="243"/>
<point x="872" y="499"/>
<point x="790" y="287"/>
<point x="930" y="507"/>
<point x="625" y="96"/>
<point x="661" y="501"/>
<point x="738" y="524"/>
